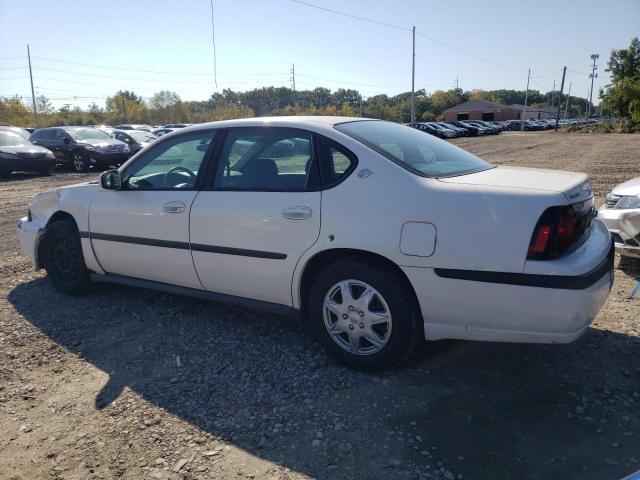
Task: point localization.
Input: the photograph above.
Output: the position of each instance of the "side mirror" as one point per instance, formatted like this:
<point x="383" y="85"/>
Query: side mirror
<point x="110" y="180"/>
<point x="66" y="140"/>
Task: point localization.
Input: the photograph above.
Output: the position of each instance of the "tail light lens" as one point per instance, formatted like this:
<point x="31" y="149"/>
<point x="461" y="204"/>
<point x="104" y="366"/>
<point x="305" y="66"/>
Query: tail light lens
<point x="558" y="229"/>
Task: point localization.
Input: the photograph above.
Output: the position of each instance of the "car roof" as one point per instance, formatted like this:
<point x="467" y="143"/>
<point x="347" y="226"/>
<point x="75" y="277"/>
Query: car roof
<point x="284" y="121"/>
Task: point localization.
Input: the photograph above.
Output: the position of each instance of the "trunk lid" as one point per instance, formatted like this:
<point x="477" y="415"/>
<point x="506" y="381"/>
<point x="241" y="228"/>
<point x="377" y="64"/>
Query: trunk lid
<point x="575" y="186"/>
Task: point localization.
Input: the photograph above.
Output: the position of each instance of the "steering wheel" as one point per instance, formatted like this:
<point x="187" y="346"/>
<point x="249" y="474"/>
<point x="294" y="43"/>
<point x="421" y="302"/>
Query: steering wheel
<point x="192" y="176"/>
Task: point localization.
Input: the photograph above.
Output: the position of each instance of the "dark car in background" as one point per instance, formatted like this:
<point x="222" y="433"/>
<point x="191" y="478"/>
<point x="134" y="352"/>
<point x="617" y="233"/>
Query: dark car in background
<point x="158" y="132"/>
<point x="462" y="132"/>
<point x="136" y="139"/>
<point x="473" y="130"/>
<point x="133" y="126"/>
<point x="177" y="125"/>
<point x="491" y="128"/>
<point x="17" y="154"/>
<point x="444" y="131"/>
<point x="82" y="147"/>
<point x="430" y="129"/>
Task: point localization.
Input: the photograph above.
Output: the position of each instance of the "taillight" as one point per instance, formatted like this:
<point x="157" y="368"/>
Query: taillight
<point x="558" y="229"/>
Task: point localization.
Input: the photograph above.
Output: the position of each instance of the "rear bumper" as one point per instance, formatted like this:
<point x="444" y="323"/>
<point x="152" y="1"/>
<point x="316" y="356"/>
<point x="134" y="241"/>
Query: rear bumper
<point x="528" y="307"/>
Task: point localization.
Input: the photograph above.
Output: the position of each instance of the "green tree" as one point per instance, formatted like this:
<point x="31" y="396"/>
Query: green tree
<point x="622" y="96"/>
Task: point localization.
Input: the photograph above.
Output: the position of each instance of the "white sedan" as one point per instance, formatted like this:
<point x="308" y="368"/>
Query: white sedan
<point x="376" y="235"/>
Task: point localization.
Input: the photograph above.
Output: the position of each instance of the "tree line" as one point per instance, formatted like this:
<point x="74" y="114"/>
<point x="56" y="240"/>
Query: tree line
<point x="167" y="107"/>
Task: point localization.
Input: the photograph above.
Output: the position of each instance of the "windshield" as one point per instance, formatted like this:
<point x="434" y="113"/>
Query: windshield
<point x="414" y="150"/>
<point x="140" y="136"/>
<point x="20" y="131"/>
<point x="10" y="139"/>
<point x="88" y="134"/>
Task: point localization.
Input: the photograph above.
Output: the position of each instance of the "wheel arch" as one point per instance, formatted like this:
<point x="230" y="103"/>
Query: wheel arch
<point x="322" y="259"/>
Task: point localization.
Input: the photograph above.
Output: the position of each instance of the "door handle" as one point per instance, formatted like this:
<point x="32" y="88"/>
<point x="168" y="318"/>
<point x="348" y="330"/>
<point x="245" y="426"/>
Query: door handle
<point x="174" y="207"/>
<point x="297" y="213"/>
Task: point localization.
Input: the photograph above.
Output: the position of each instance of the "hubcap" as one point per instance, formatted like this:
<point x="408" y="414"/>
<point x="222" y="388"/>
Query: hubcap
<point x="357" y="317"/>
<point x="78" y="162"/>
<point x="65" y="259"/>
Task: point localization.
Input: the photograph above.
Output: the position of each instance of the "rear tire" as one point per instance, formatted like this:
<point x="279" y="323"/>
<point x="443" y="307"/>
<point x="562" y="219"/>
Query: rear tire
<point x="62" y="258"/>
<point x="80" y="162"/>
<point x="374" y="333"/>
<point x="46" y="171"/>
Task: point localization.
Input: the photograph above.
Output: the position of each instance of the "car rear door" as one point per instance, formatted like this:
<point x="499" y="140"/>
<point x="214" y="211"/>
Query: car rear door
<point x="258" y="214"/>
<point x="142" y="230"/>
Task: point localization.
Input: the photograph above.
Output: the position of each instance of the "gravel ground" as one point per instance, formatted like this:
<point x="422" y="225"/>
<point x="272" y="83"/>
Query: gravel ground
<point x="137" y="384"/>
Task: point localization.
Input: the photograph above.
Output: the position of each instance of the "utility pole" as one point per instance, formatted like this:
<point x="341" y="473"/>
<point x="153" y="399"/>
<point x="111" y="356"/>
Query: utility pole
<point x="413" y="78"/>
<point x="526" y="97"/>
<point x="33" y="95"/>
<point x="124" y="107"/>
<point x="293" y="82"/>
<point x="457" y="85"/>
<point x="593" y="75"/>
<point x="564" y="72"/>
<point x="566" y="106"/>
<point x="553" y="93"/>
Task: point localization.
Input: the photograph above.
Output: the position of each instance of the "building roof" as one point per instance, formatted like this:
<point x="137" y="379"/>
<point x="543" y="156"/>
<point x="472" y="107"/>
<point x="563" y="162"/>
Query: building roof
<point x="475" y="105"/>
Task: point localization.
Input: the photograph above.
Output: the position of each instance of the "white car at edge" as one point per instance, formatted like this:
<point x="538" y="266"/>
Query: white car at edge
<point x="376" y="235"/>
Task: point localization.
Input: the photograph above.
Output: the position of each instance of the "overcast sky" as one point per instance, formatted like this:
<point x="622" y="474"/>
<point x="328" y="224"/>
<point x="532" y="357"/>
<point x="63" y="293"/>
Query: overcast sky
<point x="151" y="45"/>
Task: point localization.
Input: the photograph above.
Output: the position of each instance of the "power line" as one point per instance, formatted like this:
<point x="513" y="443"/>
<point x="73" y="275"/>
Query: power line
<point x="355" y="17"/>
<point x="126" y="78"/>
<point x="408" y="29"/>
<point x="108" y="67"/>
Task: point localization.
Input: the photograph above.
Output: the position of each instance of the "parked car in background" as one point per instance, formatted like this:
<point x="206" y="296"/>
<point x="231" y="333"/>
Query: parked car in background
<point x="23" y="132"/>
<point x="159" y="132"/>
<point x="82" y="147"/>
<point x="462" y="132"/>
<point x="445" y="132"/>
<point x="621" y="214"/>
<point x="472" y="129"/>
<point x="17" y="154"/>
<point x="493" y="129"/>
<point x="133" y="126"/>
<point x="483" y="128"/>
<point x="431" y="129"/>
<point x="222" y="211"/>
<point x="177" y="125"/>
<point x="136" y="139"/>
<point x="518" y="125"/>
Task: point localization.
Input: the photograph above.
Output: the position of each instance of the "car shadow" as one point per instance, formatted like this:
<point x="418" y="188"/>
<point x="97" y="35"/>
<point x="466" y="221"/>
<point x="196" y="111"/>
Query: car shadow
<point x="630" y="266"/>
<point x="482" y="410"/>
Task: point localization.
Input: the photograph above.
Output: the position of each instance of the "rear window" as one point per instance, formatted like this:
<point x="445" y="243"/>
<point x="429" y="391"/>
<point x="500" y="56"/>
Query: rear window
<point x="414" y="150"/>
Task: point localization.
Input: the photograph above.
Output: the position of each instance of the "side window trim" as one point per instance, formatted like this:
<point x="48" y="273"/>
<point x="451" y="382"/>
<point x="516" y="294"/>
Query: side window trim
<point x="202" y="172"/>
<point x="313" y="185"/>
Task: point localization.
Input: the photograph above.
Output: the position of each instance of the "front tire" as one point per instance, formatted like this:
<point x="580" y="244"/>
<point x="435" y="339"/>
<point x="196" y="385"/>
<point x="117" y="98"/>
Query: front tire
<point x="364" y="315"/>
<point x="62" y="258"/>
<point x="80" y="162"/>
<point x="46" y="171"/>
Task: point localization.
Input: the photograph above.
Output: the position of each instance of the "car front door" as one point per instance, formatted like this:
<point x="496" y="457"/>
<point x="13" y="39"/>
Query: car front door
<point x="142" y="230"/>
<point x="258" y="214"/>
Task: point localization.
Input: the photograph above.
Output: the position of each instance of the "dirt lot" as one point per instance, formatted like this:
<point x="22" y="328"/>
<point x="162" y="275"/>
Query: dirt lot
<point x="91" y="387"/>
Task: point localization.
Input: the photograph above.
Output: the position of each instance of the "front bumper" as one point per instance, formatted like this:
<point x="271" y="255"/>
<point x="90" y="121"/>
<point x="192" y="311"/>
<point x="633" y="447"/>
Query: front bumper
<point x="29" y="234"/>
<point x="100" y="158"/>
<point x="27" y="164"/>
<point x="624" y="226"/>
<point x="534" y="307"/>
